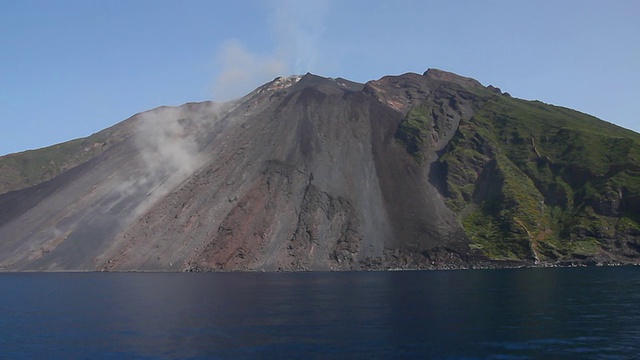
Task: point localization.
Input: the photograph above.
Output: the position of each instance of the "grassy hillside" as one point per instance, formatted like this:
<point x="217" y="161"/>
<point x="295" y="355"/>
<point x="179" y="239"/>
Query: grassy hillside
<point x="413" y="131"/>
<point x="538" y="182"/>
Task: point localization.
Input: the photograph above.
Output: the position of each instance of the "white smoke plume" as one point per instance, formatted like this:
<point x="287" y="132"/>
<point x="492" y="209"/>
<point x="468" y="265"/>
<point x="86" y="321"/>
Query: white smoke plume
<point x="242" y="71"/>
<point x="165" y="143"/>
<point x="169" y="153"/>
<point x="296" y="27"/>
<point x="167" y="140"/>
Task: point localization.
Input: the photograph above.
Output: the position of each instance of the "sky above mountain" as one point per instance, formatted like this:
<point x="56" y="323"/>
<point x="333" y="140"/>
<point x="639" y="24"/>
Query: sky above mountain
<point x="72" y="68"/>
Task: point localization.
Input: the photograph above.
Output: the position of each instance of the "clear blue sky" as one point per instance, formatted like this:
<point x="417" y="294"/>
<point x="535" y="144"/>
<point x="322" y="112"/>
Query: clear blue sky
<point x="71" y="68"/>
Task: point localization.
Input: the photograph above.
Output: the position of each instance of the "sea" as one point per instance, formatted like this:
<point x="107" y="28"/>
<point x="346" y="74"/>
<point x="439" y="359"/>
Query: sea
<point x="537" y="313"/>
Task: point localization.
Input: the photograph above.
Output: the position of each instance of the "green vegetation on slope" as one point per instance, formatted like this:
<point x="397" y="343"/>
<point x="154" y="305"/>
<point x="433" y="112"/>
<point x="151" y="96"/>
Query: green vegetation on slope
<point x="533" y="181"/>
<point x="28" y="168"/>
<point x="413" y="130"/>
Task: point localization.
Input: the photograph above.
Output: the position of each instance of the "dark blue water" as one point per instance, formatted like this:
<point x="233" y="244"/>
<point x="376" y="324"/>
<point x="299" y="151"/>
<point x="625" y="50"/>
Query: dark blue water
<point x="583" y="313"/>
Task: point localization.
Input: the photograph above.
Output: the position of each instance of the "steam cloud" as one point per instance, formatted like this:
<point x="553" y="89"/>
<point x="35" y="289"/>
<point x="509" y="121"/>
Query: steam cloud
<point x="166" y="145"/>
<point x="169" y="152"/>
<point x="243" y="71"/>
<point x="297" y="27"/>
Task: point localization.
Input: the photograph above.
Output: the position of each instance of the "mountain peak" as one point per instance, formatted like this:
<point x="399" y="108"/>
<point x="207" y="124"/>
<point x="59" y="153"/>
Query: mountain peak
<point x="437" y="74"/>
<point x="282" y="82"/>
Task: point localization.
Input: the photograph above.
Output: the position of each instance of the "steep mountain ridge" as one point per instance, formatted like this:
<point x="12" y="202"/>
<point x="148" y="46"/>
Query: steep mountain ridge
<point x="313" y="173"/>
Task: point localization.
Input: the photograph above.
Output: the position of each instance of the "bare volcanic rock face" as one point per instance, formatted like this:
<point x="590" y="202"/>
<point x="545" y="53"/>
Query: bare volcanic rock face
<point x="304" y="173"/>
<point x="306" y="176"/>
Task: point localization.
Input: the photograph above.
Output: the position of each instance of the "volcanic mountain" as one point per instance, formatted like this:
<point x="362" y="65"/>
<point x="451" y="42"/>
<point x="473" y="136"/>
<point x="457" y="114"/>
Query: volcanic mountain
<point x="312" y="173"/>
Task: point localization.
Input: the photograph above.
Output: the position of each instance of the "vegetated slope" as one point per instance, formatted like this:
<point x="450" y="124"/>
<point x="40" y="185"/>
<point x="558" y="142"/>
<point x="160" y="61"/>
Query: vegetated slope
<point x="410" y="171"/>
<point x="536" y="182"/>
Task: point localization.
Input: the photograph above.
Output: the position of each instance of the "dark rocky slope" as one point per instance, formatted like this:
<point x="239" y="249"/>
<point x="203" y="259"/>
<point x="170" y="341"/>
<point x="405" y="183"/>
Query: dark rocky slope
<point x="411" y="171"/>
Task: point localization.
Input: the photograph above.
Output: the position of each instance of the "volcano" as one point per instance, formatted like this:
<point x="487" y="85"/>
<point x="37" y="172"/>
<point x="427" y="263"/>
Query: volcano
<point x="413" y="171"/>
